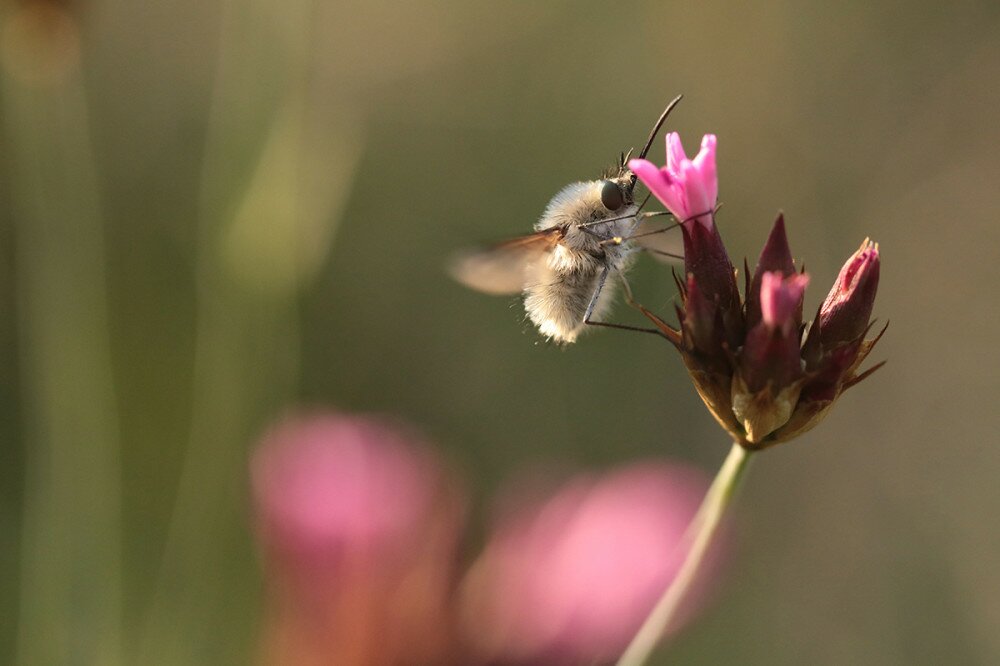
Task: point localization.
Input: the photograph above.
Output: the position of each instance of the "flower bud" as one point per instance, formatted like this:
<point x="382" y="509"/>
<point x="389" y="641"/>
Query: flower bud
<point x="706" y="260"/>
<point x="835" y="347"/>
<point x="770" y="355"/>
<point x="767" y="384"/>
<point x="776" y="256"/>
<point x="847" y="309"/>
<point x="781" y="302"/>
<point x="702" y="324"/>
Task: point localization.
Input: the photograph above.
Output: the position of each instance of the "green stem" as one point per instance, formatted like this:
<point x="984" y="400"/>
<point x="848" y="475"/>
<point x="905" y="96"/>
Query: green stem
<point x="70" y="596"/>
<point x="700" y="534"/>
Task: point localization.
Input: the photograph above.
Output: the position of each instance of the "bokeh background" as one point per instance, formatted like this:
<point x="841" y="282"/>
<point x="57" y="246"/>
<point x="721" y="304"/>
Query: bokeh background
<point x="216" y="211"/>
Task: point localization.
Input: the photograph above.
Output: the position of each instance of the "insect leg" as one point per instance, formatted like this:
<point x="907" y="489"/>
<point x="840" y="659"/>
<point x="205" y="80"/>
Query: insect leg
<point x="632" y="235"/>
<point x="679" y="257"/>
<point x="662" y="327"/>
<point x="669" y="226"/>
<point x="618" y="240"/>
<point x="628" y="295"/>
<point x="628" y="291"/>
<point x="593" y="304"/>
<point x="619" y="218"/>
<point x="596" y="234"/>
<point x="597" y="294"/>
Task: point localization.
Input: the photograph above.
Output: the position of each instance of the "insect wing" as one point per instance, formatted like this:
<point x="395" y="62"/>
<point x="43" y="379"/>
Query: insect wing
<point x="500" y="269"/>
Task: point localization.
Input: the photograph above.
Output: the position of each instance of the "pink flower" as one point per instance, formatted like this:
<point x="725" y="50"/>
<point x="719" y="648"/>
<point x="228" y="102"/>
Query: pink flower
<point x="570" y="579"/>
<point x="686" y="187"/>
<point x="690" y="188"/>
<point x="781" y="300"/>
<point x="360" y="530"/>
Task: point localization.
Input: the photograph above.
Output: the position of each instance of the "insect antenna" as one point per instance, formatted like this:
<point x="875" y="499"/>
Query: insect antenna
<point x="624" y="158"/>
<point x="644" y="202"/>
<point x="656" y="128"/>
<point x="659" y="123"/>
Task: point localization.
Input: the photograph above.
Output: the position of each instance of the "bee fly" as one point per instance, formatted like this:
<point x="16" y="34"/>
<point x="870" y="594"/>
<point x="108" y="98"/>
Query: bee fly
<point x="585" y="234"/>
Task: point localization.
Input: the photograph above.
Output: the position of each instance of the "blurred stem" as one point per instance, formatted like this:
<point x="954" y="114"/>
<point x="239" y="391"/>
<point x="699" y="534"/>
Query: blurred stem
<point x="71" y="561"/>
<point x="703" y="529"/>
<point x="245" y="358"/>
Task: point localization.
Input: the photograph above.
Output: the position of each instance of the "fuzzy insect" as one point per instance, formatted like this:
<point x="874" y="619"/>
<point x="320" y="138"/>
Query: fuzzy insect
<point x="585" y="234"/>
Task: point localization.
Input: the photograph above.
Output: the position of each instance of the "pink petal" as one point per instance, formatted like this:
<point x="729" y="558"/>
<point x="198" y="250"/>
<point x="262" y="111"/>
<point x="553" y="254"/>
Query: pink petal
<point x="697" y="194"/>
<point x="675" y="153"/>
<point x="660" y="183"/>
<point x="650" y="174"/>
<point x="686" y="187"/>
<point x="705" y="161"/>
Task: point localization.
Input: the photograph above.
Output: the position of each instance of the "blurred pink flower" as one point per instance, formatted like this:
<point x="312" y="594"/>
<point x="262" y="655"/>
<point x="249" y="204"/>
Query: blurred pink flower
<point x="571" y="579"/>
<point x="360" y="528"/>
<point x="686" y="187"/>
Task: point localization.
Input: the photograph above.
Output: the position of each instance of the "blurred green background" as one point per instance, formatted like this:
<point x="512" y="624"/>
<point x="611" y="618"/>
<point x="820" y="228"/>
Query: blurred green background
<point x="215" y="211"/>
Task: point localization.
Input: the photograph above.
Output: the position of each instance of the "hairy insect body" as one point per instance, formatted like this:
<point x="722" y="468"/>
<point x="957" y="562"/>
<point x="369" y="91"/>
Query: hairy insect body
<point x="559" y="285"/>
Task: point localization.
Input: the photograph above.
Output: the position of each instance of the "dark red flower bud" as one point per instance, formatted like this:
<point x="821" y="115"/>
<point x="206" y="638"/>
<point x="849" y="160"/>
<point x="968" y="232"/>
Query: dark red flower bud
<point x="766" y="386"/>
<point x="706" y="260"/>
<point x="835" y="347"/>
<point x="775" y="257"/>
<point x="702" y="323"/>
<point x="847" y="309"/>
<point x="770" y="355"/>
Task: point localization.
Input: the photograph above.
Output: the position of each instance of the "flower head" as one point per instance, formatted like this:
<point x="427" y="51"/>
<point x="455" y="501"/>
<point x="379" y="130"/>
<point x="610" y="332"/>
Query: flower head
<point x="762" y="377"/>
<point x="568" y="580"/>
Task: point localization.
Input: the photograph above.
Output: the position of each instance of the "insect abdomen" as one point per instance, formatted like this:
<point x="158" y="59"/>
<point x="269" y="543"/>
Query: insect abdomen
<point x="557" y="301"/>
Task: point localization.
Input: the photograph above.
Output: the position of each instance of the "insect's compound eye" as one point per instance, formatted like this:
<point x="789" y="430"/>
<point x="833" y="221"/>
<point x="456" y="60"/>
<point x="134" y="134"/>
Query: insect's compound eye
<point x="611" y="195"/>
